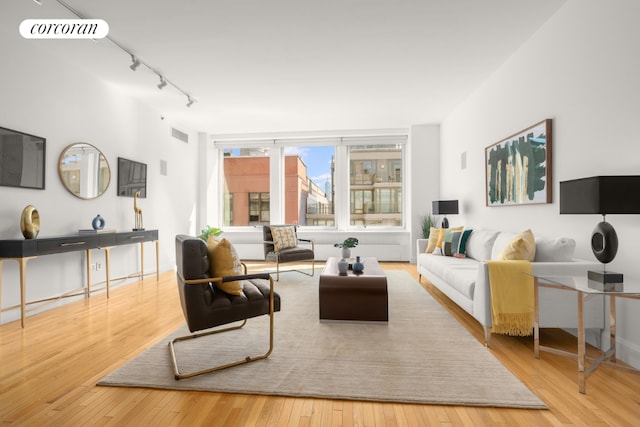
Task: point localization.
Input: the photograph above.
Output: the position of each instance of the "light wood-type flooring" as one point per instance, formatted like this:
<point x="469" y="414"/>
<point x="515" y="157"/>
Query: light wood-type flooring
<point x="49" y="369"/>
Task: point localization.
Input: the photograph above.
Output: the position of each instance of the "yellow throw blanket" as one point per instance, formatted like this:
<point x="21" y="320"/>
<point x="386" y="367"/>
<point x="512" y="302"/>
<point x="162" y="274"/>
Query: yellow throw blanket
<point x="511" y="297"/>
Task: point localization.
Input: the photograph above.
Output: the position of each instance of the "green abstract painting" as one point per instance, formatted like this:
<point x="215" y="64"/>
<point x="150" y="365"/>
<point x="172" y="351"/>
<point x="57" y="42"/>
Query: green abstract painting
<point x="518" y="168"/>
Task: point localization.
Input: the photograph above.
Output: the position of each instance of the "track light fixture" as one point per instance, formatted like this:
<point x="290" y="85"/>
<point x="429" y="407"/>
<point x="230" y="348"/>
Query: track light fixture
<point x="38" y="2"/>
<point x="135" y="63"/>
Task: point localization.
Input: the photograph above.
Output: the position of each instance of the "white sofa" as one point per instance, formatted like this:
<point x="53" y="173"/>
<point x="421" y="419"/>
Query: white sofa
<point x="466" y="280"/>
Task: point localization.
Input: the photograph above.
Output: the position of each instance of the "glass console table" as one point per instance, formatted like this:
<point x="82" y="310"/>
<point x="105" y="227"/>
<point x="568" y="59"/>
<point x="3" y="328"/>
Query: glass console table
<point x="585" y="289"/>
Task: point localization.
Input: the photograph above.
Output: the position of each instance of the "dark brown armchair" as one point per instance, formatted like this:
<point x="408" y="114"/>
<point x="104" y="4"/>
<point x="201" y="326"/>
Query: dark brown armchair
<point x="297" y="250"/>
<point x="205" y="306"/>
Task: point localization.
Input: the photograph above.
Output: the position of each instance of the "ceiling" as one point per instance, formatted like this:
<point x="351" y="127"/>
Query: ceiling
<point x="296" y="65"/>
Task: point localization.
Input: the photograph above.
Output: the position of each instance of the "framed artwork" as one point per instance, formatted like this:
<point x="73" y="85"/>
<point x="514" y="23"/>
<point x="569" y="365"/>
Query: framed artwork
<point x="518" y="168"/>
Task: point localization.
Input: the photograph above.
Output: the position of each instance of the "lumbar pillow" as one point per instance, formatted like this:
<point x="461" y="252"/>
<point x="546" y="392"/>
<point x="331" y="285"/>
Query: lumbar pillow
<point x="223" y="261"/>
<point x="522" y="247"/>
<point x="434" y="235"/>
<point x="284" y="237"/>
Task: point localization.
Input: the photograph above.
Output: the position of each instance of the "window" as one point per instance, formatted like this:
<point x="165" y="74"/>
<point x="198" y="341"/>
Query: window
<point x="320" y="181"/>
<point x="308" y="175"/>
<point x="246" y="186"/>
<point x="375" y="185"/>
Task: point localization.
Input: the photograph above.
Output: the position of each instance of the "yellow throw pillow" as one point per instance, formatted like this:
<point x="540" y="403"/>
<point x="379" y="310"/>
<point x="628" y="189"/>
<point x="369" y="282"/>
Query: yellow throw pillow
<point x="284" y="237"/>
<point x="434" y="235"/>
<point x="522" y="247"/>
<point x="222" y="263"/>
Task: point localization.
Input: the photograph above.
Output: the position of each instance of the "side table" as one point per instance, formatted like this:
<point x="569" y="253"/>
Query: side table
<point x="585" y="290"/>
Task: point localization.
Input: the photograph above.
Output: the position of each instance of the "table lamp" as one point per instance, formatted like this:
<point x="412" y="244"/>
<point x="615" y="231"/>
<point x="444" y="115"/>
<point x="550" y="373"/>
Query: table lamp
<point x="602" y="195"/>
<point x="444" y="207"/>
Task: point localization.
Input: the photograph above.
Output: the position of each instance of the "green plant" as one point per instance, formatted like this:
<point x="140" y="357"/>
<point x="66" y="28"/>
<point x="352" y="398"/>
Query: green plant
<point x="426" y="222"/>
<point x="349" y="242"/>
<point x="208" y="231"/>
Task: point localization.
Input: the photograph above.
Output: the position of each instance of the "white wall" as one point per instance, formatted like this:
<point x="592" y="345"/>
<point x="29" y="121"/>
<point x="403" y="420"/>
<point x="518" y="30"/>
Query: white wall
<point x="42" y="95"/>
<point x="581" y="69"/>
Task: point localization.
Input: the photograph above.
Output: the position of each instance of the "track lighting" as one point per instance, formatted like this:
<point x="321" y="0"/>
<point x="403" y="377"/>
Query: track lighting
<point x="135" y="63"/>
<point x="38" y="2"/>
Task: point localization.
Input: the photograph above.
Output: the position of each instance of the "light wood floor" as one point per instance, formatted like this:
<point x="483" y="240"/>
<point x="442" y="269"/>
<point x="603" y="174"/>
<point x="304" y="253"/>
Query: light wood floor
<point x="48" y="372"/>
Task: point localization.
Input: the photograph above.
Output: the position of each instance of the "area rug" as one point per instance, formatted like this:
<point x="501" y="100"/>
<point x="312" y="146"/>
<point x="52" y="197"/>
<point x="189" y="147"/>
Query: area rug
<point x="422" y="355"/>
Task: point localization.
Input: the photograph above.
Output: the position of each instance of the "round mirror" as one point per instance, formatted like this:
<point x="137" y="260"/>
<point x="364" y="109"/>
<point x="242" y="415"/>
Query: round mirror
<point x="84" y="170"/>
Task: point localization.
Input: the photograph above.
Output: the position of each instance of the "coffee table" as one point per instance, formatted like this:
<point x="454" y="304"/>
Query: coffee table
<point x="352" y="296"/>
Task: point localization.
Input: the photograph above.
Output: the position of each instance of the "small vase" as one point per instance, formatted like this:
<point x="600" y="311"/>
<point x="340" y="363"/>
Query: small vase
<point x="343" y="266"/>
<point x="346" y="253"/>
<point x="97" y="223"/>
<point x="358" y="267"/>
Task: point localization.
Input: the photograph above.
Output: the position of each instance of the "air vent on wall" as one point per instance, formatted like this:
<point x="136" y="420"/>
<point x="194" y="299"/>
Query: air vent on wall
<point x="179" y="135"/>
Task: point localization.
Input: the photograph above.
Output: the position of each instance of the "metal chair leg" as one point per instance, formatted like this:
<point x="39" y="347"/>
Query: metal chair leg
<point x="248" y="359"/>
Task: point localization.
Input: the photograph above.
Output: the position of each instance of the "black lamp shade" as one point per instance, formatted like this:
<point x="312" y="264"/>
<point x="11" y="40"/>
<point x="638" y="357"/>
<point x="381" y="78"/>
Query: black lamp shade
<point x="444" y="207"/>
<point x="601" y="195"/>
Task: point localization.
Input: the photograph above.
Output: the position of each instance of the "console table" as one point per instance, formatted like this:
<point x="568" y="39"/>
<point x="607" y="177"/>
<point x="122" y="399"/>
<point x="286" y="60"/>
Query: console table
<point x="23" y="250"/>
<point x="585" y="290"/>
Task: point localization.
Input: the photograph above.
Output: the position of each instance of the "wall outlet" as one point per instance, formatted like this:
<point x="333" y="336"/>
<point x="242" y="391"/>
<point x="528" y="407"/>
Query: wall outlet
<point x="98" y="266"/>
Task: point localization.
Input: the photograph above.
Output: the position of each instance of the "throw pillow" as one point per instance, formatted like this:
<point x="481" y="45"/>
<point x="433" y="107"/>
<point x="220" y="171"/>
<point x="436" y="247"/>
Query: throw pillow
<point x="447" y="238"/>
<point x="284" y="237"/>
<point x="455" y="242"/>
<point x="462" y="247"/>
<point x="434" y="234"/>
<point x="222" y="263"/>
<point x="522" y="247"/>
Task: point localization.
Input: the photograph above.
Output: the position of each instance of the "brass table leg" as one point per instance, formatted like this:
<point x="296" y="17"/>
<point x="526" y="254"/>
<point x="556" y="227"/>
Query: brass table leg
<point x="581" y="345"/>
<point x="107" y="262"/>
<point x="157" y="261"/>
<point x="536" y="320"/>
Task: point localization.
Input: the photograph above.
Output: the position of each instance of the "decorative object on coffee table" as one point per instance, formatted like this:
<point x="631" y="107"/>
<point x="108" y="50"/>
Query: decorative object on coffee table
<point x="602" y="195"/>
<point x="349" y="242"/>
<point x="358" y="266"/>
<point x="30" y="222"/>
<point x="343" y="266"/>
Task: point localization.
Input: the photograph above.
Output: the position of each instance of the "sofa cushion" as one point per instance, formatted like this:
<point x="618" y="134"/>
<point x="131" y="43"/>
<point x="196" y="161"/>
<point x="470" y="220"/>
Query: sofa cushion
<point x="555" y="250"/>
<point x="521" y="248"/>
<point x="460" y="274"/>
<point x="480" y="243"/>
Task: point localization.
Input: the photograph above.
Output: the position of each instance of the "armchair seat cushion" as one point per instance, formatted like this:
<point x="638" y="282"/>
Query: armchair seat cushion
<point x="291" y="254"/>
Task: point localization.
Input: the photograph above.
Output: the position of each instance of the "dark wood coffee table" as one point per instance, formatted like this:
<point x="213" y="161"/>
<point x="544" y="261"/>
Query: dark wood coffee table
<point x="354" y="296"/>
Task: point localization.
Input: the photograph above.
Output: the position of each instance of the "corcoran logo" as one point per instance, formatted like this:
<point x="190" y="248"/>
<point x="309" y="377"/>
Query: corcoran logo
<point x="64" y="29"/>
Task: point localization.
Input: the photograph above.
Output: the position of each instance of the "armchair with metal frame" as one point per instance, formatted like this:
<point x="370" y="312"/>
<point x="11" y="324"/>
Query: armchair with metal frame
<point x="291" y="254"/>
<point x="205" y="306"/>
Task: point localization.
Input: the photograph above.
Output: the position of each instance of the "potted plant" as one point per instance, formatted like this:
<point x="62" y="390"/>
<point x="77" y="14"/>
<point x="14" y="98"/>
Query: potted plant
<point x="426" y="222"/>
<point x="349" y="242"/>
<point x="208" y="231"/>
